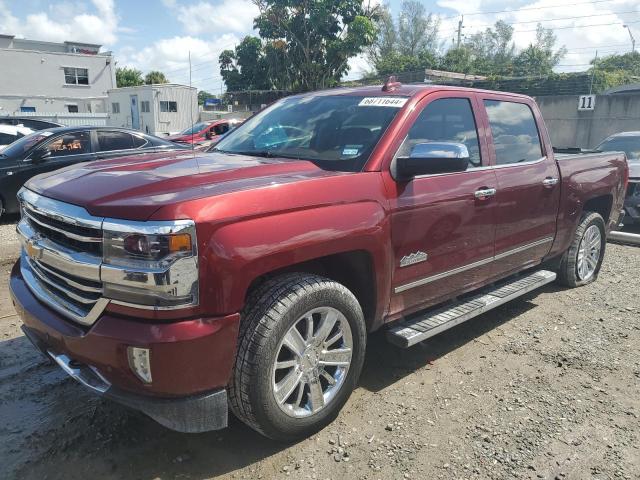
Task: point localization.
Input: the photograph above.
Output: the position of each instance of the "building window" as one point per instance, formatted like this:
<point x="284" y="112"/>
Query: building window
<point x="145" y="107"/>
<point x="72" y="108"/>
<point x="76" y="76"/>
<point x="168" y="106"/>
<point x="115" y="107"/>
<point x="27" y="109"/>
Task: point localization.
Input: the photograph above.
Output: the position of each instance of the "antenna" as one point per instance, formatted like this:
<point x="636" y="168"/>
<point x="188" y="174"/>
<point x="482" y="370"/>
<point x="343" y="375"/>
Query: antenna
<point x="191" y="107"/>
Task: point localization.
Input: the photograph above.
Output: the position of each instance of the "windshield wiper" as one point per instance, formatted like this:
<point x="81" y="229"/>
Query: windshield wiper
<point x="249" y="153"/>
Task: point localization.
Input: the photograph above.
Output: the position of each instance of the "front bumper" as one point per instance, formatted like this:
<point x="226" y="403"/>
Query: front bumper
<point x="191" y="360"/>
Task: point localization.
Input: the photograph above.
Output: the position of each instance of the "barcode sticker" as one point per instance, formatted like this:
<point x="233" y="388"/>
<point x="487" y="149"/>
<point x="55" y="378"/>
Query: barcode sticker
<point x="394" y="102"/>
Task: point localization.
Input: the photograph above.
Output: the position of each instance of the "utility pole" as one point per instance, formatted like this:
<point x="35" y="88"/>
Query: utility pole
<point x="460" y="27"/>
<point x="633" y="40"/>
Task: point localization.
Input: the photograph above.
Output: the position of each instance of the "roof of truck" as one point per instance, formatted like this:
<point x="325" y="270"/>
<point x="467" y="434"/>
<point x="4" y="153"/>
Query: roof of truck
<point x="403" y="90"/>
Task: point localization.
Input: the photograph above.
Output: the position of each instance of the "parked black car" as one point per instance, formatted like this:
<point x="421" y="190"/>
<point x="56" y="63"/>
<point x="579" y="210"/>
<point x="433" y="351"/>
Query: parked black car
<point x="51" y="149"/>
<point x="30" y="122"/>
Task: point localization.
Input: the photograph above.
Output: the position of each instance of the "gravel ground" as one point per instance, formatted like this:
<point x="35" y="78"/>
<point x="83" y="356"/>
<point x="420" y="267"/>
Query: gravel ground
<point x="544" y="387"/>
<point x="9" y="245"/>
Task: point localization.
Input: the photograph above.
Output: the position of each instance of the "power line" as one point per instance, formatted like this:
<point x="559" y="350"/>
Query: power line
<point x="565" y="18"/>
<point x="578" y="26"/>
<point x="525" y="9"/>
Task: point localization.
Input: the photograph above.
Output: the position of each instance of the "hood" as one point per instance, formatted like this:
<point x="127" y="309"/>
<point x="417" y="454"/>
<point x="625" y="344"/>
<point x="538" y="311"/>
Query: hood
<point x="134" y="188"/>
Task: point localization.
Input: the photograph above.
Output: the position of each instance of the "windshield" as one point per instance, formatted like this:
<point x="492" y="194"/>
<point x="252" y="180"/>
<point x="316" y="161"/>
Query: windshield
<point x="23" y="145"/>
<point x="628" y="145"/>
<point x="336" y="132"/>
<point x="198" y="127"/>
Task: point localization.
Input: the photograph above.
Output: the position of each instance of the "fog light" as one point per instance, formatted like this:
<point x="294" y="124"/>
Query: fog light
<point x="140" y="363"/>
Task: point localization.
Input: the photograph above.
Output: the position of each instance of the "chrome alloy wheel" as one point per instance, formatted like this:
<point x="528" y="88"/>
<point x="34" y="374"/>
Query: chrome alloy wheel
<point x="589" y="253"/>
<point x="312" y="362"/>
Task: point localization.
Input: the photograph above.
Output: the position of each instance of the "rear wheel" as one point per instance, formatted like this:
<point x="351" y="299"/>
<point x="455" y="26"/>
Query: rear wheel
<point x="581" y="263"/>
<point x="300" y="352"/>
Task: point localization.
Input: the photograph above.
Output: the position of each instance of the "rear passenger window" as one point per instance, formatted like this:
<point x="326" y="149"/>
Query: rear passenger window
<point x="114" y="141"/>
<point x="445" y="120"/>
<point x="515" y="133"/>
<point x="138" y="141"/>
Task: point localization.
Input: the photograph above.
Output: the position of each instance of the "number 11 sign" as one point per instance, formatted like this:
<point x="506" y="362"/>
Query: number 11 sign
<point x="587" y="102"/>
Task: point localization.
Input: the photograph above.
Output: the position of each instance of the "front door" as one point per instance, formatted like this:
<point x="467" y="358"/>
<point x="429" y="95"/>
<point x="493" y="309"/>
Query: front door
<point x="528" y="192"/>
<point x="442" y="230"/>
<point x="135" y="113"/>
<point x="62" y="150"/>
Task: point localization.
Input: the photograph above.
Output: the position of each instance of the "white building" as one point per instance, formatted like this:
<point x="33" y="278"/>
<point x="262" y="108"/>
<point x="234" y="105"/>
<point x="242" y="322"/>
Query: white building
<point x="53" y="78"/>
<point x="156" y="109"/>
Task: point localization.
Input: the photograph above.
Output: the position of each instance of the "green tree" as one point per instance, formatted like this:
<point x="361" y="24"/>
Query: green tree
<point x="407" y="44"/>
<point x="203" y="95"/>
<point x="245" y="67"/>
<point x="539" y="58"/>
<point x="457" y="59"/>
<point x="128" y="77"/>
<point x="614" y="70"/>
<point x="318" y="37"/>
<point x="628" y="62"/>
<point x="155" y="77"/>
<point x="491" y="52"/>
<point x="417" y="30"/>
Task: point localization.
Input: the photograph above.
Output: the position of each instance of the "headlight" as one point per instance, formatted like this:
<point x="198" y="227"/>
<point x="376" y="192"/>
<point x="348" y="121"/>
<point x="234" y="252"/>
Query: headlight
<point x="150" y="264"/>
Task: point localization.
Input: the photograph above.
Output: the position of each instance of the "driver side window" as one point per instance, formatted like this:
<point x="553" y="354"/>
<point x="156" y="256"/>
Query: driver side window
<point x="445" y="120"/>
<point x="75" y="143"/>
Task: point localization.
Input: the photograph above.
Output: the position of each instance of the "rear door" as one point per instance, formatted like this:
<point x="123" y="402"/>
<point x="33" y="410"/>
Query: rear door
<point x="528" y="192"/>
<point x="442" y="230"/>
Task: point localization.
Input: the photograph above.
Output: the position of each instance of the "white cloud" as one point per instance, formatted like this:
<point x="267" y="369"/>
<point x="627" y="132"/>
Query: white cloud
<point x="581" y="36"/>
<point x="171" y="56"/>
<point x="217" y="18"/>
<point x="100" y="26"/>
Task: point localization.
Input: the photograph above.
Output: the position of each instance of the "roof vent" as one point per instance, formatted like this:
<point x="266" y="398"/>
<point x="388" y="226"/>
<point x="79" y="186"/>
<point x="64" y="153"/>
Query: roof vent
<point x="391" y="85"/>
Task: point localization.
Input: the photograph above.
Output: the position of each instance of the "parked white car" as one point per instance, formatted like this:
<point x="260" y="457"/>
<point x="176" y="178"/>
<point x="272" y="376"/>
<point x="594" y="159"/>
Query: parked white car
<point x="11" y="133"/>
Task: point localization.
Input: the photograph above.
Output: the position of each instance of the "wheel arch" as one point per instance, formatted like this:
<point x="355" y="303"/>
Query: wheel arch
<point x="353" y="269"/>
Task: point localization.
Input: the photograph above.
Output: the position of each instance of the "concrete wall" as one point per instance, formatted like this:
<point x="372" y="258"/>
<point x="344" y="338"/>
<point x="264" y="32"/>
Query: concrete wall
<point x="569" y="127"/>
<point x="36" y="79"/>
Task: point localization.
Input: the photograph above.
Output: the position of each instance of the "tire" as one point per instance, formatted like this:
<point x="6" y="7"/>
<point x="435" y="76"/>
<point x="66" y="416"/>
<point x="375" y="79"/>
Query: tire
<point x="569" y="273"/>
<point x="1" y="209"/>
<point x="272" y="311"/>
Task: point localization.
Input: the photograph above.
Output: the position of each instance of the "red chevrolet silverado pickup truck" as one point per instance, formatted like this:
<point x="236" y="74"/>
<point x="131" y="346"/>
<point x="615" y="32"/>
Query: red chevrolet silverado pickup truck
<point x="182" y="284"/>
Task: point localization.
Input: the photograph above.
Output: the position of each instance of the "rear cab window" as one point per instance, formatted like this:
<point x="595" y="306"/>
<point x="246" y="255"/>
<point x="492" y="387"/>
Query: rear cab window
<point x="515" y="132"/>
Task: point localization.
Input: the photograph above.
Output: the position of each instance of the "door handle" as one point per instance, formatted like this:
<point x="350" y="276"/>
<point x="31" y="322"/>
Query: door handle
<point x="484" y="193"/>
<point x="550" y="182"/>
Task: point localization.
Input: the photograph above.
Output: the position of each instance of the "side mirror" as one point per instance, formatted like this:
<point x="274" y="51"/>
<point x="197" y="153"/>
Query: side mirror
<point x="209" y="135"/>
<point x="432" y="158"/>
<point x="40" y="155"/>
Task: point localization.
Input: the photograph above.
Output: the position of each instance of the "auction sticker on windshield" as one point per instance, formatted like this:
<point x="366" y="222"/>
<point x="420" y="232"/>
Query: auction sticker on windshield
<point x="395" y="102"/>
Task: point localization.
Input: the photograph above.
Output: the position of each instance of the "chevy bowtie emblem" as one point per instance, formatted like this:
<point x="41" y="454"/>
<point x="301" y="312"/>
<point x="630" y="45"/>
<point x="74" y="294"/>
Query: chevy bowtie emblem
<point x="32" y="249"/>
<point x="413" y="258"/>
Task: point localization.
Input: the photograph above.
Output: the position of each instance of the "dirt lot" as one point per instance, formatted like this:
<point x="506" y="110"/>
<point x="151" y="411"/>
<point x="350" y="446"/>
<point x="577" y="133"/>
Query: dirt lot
<point x="544" y="387"/>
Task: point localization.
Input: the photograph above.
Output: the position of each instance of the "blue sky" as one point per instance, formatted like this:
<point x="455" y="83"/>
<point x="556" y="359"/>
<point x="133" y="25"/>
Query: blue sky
<point x="159" y="34"/>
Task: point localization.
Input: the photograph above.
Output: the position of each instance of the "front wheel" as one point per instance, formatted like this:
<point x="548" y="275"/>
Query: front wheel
<point x="581" y="263"/>
<point x="300" y="352"/>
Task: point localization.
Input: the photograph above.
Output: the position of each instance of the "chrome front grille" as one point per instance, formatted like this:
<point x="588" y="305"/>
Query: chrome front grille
<point x="62" y="255"/>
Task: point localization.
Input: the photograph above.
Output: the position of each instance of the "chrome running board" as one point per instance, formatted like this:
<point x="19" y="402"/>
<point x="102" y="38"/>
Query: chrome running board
<point x="419" y="327"/>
